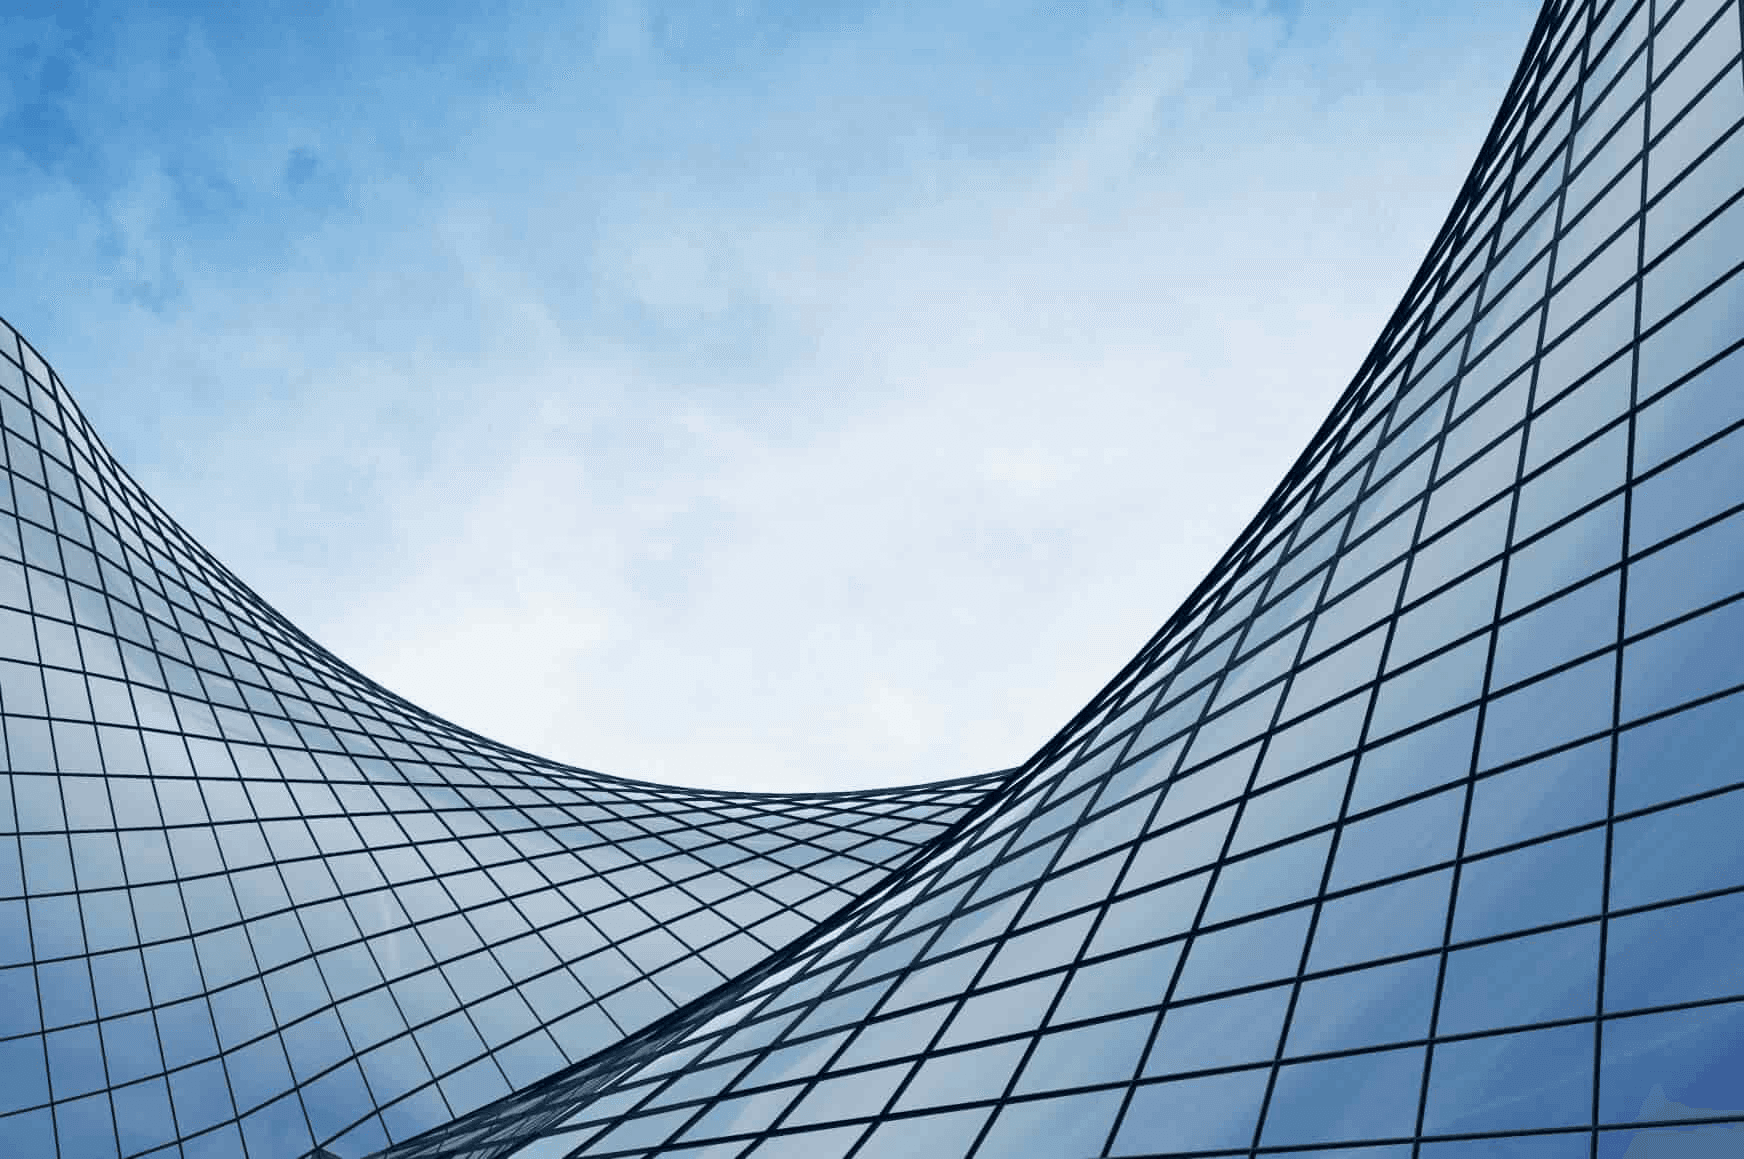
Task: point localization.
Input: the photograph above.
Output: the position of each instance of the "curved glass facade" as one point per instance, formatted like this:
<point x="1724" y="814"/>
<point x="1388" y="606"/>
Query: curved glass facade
<point x="1415" y="832"/>
<point x="251" y="902"/>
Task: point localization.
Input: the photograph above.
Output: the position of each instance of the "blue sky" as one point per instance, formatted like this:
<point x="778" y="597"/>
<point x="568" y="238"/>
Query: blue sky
<point x="768" y="396"/>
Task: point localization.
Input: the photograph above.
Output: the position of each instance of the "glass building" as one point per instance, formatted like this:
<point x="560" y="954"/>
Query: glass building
<point x="1417" y="831"/>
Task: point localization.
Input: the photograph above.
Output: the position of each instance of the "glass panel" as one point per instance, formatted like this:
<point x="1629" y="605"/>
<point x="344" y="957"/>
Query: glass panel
<point x="1430" y="756"/>
<point x="1682" y="953"/>
<point x="1686" y="575"/>
<point x="1561" y="791"/>
<point x="1570" y="705"/>
<point x="1399" y="840"/>
<point x="1544" y="883"/>
<point x="1401" y="918"/>
<point x="1338" y="1099"/>
<point x="1683" y="1064"/>
<point x="1538" y="1078"/>
<point x="1266" y="880"/>
<point x="1364" y="1007"/>
<point x="1105" y="1052"/>
<point x="1224" y="1032"/>
<point x="1678" y="851"/>
<point x="1048" y="1128"/>
<point x="963" y="1077"/>
<point x="1687" y="753"/>
<point x="1538" y="978"/>
<point x="1245" y="954"/>
<point x="1192" y="1114"/>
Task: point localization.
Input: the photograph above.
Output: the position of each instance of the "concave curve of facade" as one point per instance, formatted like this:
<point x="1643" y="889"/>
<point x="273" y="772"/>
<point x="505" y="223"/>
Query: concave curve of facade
<point x="1414" y="832"/>
<point x="253" y="903"/>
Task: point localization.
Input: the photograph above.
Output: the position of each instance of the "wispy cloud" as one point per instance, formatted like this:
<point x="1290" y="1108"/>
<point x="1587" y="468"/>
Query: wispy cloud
<point x="722" y="395"/>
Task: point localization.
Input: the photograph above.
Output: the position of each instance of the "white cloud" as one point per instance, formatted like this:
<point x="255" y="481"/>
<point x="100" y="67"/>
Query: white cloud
<point x="733" y="457"/>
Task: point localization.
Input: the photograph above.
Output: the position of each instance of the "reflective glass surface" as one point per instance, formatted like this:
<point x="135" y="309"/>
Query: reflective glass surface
<point x="252" y="903"/>
<point x="1413" y="832"/>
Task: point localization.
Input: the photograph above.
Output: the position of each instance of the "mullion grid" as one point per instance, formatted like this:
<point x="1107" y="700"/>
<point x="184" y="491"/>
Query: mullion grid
<point x="42" y="1017"/>
<point x="637" y="1074"/>
<point x="485" y="947"/>
<point x="1443" y="264"/>
<point x="1471" y="204"/>
<point x="302" y="910"/>
<point x="1695" y="613"/>
<point x="195" y="933"/>
<point x="90" y="976"/>
<point x="212" y="571"/>
<point x="1328" y="871"/>
<point x="1640" y="225"/>
<point x="224" y="1051"/>
<point x="891" y="983"/>
<point x="461" y="811"/>
<point x="1484" y="195"/>
<point x="1155" y="693"/>
<point x="1097" y="910"/>
<point x="153" y="1005"/>
<point x="1229" y="606"/>
<point x="119" y="508"/>
<point x="1608" y="913"/>
<point x="833" y="969"/>
<point x="802" y="872"/>
<point x="888" y="984"/>
<point x="1212" y="597"/>
<point x="200" y="1001"/>
<point x="1303" y="625"/>
<point x="1223" y="857"/>
<point x="1605" y="905"/>
<point x="1174" y="699"/>
<point x="1392" y="622"/>
<point x="917" y="895"/>
<point x="1374" y="487"/>
<point x="1086" y="803"/>
<point x="1569" y="452"/>
<point x="380" y="1107"/>
<point x="1541" y="534"/>
<point x="194" y="589"/>
<point x="1469" y="781"/>
<point x="1197" y="925"/>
